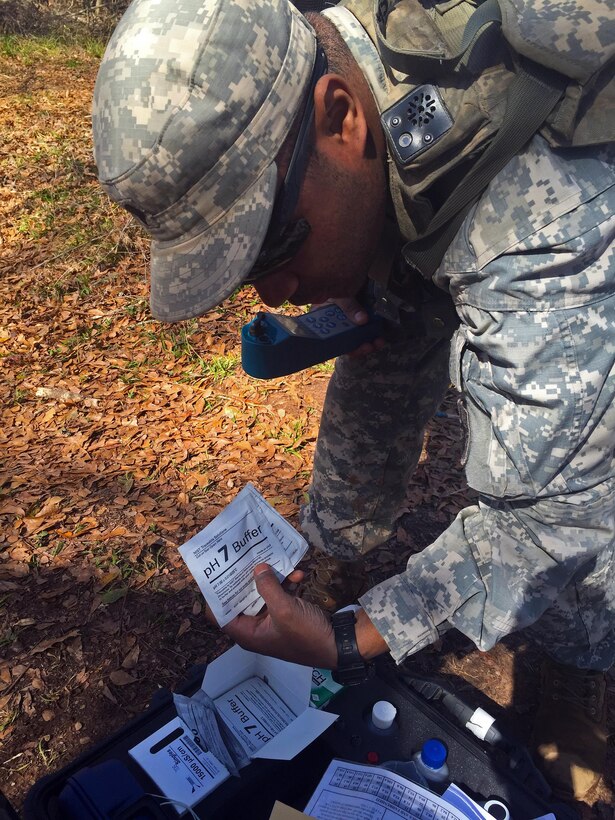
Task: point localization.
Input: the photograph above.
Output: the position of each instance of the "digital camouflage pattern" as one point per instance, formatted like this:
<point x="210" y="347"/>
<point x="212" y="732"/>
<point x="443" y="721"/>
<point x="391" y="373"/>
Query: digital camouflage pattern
<point x="369" y="442"/>
<point x="423" y="41"/>
<point x="193" y="101"/>
<point x="558" y="35"/>
<point x="532" y="273"/>
<point x="578" y="40"/>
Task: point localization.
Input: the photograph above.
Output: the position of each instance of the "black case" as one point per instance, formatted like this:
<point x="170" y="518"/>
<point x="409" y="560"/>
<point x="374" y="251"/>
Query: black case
<point x="481" y="771"/>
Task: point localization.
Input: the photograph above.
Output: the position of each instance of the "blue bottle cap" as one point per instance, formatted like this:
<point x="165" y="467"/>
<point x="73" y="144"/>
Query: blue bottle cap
<point x="433" y="753"/>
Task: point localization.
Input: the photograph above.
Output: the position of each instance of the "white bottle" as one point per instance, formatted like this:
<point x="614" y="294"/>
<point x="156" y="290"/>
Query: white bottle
<point x="383" y="715"/>
<point x="431" y="761"/>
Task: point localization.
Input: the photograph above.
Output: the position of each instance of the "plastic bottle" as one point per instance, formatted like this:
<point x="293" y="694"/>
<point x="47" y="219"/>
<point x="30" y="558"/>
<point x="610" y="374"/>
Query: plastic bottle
<point x="383" y="715"/>
<point x="407" y="769"/>
<point x="430" y="761"/>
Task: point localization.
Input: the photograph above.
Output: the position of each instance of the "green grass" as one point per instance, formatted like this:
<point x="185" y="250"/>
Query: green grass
<point x="137" y="307"/>
<point x="30" y="49"/>
<point x="110" y="596"/>
<point x="178" y="340"/>
<point x="64" y="349"/>
<point x="130" y="375"/>
<point x="46" y="754"/>
<point x="128" y="567"/>
<point x="293" y="433"/>
<point x="325" y="367"/>
<point x="219" y="367"/>
<point x="19" y="395"/>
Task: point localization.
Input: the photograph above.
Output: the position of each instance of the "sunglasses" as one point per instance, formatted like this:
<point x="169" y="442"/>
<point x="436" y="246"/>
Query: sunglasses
<point x="284" y="238"/>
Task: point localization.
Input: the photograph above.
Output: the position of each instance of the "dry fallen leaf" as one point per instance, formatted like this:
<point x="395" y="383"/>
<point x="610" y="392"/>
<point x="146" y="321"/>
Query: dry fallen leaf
<point x="81" y="677"/>
<point x="5" y="733"/>
<point x="43" y="646"/>
<point x="183" y="628"/>
<point x="109" y="694"/>
<point x="131" y="659"/>
<point x="121" y="678"/>
<point x="107" y="577"/>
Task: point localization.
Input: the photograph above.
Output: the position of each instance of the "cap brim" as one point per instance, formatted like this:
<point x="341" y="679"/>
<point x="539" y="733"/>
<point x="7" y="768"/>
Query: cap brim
<point x="191" y="276"/>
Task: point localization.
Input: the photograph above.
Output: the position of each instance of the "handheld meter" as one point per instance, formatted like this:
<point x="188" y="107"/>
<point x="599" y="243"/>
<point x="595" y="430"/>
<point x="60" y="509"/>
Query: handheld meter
<point x="276" y="345"/>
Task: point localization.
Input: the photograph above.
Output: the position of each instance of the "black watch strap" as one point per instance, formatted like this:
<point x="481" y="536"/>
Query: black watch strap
<point x="351" y="667"/>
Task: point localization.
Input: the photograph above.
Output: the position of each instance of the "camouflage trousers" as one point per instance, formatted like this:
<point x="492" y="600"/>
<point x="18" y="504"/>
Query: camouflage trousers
<point x="370" y="440"/>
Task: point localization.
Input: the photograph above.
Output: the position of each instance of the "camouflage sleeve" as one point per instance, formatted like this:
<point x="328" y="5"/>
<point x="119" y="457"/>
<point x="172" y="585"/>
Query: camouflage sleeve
<point x="533" y="275"/>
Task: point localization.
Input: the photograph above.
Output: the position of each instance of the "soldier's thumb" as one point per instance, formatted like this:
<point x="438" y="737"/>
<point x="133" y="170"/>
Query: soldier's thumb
<point x="268" y="586"/>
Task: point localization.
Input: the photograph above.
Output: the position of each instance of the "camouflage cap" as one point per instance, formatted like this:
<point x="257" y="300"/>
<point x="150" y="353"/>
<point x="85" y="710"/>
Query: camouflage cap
<point x="192" y="103"/>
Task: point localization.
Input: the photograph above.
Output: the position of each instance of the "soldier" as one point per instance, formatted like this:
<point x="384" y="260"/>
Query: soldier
<point x="249" y="142"/>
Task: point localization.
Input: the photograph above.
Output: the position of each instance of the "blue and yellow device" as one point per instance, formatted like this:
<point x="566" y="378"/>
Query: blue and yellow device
<point x="275" y="345"/>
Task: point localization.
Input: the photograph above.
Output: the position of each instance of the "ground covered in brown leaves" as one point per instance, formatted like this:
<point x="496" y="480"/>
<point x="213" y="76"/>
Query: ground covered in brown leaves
<point x="122" y="437"/>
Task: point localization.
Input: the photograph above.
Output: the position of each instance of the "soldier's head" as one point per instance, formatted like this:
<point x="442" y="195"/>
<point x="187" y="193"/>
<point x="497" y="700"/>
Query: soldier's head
<point x="247" y="145"/>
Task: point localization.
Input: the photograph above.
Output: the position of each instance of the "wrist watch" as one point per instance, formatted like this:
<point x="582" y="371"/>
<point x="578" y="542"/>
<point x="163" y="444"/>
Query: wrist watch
<point x="351" y="667"/>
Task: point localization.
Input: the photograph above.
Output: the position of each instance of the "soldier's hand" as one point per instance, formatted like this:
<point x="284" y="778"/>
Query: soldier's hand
<point x="287" y="628"/>
<point x="356" y="314"/>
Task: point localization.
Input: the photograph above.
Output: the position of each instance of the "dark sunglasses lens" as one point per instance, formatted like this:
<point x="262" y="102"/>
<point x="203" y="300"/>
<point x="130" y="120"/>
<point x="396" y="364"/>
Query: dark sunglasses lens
<point x="279" y="252"/>
<point x="285" y="238"/>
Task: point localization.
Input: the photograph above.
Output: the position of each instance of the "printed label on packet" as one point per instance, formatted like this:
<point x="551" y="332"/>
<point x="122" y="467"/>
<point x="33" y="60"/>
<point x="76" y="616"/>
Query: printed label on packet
<point x="223" y="555"/>
<point x="254" y="713"/>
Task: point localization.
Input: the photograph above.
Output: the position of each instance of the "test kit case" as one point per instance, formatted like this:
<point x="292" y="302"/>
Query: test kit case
<point x="480" y="770"/>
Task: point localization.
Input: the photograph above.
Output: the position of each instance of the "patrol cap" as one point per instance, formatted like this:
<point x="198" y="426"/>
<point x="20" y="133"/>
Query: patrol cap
<point x="192" y="103"/>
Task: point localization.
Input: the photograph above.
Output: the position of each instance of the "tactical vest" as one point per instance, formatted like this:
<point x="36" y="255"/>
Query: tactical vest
<point x="469" y="84"/>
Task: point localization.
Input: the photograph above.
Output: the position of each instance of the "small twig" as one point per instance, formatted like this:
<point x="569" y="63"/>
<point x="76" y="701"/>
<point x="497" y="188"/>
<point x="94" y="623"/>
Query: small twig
<point x="21" y="754"/>
<point x="454" y="492"/>
<point x="74" y="248"/>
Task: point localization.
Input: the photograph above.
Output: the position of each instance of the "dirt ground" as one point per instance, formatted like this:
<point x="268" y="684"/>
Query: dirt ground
<point x="121" y="438"/>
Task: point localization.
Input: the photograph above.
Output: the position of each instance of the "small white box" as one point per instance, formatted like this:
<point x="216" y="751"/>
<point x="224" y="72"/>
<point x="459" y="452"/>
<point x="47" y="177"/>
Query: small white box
<point x="290" y="681"/>
<point x="181" y="770"/>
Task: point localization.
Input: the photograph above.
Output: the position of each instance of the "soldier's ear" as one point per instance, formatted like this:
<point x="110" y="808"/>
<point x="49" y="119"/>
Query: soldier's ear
<point x="340" y="119"/>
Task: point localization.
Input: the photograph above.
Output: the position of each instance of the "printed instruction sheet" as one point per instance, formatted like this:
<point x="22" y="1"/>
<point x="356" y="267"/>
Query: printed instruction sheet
<point x="223" y="555"/>
<point x="352" y="791"/>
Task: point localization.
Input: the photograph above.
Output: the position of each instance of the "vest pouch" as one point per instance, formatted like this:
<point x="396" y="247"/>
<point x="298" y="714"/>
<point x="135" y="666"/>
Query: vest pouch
<point x="578" y="41"/>
<point x="473" y="100"/>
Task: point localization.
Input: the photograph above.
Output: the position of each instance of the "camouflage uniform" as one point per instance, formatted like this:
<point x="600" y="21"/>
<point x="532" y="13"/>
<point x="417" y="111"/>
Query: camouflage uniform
<point x="532" y="274"/>
<point x="369" y="442"/>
